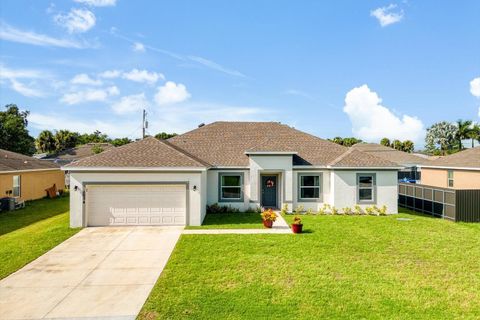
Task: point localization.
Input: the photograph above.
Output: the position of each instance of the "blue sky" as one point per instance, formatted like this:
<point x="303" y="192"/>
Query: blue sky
<point x="337" y="68"/>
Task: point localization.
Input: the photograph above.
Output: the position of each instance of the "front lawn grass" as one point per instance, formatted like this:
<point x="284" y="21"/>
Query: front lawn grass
<point x="241" y="220"/>
<point x="353" y="267"/>
<point x="28" y="233"/>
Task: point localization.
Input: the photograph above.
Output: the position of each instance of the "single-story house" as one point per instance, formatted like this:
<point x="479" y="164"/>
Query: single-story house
<point x="460" y="170"/>
<point x="240" y="164"/>
<point x="26" y="178"/>
<point x="410" y="162"/>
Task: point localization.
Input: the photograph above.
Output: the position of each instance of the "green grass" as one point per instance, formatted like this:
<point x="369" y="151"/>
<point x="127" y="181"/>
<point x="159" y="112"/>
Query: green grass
<point x="28" y="233"/>
<point x="247" y="220"/>
<point x="354" y="267"/>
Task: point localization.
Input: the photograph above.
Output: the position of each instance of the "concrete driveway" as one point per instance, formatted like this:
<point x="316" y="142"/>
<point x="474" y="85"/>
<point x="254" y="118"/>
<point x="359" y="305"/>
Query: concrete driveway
<point x="100" y="272"/>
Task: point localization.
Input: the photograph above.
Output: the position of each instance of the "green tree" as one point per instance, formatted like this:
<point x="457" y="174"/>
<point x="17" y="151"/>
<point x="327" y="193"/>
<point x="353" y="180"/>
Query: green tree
<point x="96" y="137"/>
<point x="442" y="134"/>
<point x="65" y="139"/>
<point x="45" y="141"/>
<point x="348" y="142"/>
<point x="385" y="142"/>
<point x="164" y="135"/>
<point x="96" y="149"/>
<point x="463" y="131"/>
<point x="408" y="146"/>
<point x="474" y="133"/>
<point x="120" y="141"/>
<point x="14" y="135"/>
<point x="397" y="145"/>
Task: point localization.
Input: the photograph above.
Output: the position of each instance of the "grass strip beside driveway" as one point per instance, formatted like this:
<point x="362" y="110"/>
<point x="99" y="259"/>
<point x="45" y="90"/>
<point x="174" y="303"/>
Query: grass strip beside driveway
<point x="28" y="233"/>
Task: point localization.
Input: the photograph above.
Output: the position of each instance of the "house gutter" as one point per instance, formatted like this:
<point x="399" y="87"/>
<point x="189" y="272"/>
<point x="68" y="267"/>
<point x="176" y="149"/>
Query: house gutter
<point x="31" y="170"/>
<point x="450" y="168"/>
<point x="123" y="169"/>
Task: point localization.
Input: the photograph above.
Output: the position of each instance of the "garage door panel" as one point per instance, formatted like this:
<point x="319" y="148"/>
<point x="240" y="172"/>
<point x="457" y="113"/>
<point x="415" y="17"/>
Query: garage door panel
<point x="136" y="205"/>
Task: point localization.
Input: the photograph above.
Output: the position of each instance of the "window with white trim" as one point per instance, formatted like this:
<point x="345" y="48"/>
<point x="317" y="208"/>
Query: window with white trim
<point x="16" y="186"/>
<point x="450" y="178"/>
<point x="309" y="186"/>
<point x="230" y="187"/>
<point x="366" y="188"/>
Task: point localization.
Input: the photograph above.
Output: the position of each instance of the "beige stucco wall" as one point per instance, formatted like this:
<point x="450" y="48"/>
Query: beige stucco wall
<point x="462" y="179"/>
<point x="32" y="183"/>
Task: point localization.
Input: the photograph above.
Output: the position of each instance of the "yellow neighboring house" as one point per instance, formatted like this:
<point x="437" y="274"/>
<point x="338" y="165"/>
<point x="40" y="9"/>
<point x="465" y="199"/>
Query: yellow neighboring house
<point x="26" y="178"/>
<point x="457" y="171"/>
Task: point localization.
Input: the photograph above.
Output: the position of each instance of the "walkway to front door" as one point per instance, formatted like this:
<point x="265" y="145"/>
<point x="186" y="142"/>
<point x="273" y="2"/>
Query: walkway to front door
<point x="269" y="191"/>
<point x="99" y="273"/>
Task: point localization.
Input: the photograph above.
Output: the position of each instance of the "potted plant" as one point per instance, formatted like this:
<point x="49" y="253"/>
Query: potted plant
<point x="268" y="217"/>
<point x="297" y="225"/>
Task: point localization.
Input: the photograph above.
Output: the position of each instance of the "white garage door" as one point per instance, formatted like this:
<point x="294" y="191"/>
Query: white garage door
<point x="110" y="205"/>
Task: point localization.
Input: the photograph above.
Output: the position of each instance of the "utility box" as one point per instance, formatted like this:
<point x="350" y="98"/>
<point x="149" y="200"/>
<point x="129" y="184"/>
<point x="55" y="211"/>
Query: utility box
<point x="7" y="204"/>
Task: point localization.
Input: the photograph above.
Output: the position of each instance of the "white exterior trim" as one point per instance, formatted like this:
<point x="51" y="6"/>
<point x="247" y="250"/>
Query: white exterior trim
<point x="271" y="153"/>
<point x="451" y="168"/>
<point x="114" y="169"/>
<point x="365" y="168"/>
<point x="31" y="170"/>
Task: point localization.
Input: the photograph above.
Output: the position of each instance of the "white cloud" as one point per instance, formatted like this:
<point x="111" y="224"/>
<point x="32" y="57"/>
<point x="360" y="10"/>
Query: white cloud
<point x="387" y="15"/>
<point x="215" y="66"/>
<point x="12" y="34"/>
<point x="7" y="73"/>
<point x="294" y="92"/>
<point x="110" y="74"/>
<point x="475" y="87"/>
<point x="24" y="90"/>
<point x="143" y="76"/>
<point x="138" y="47"/>
<point x="171" y="93"/>
<point x="12" y="76"/>
<point x="98" y="3"/>
<point x="89" y="95"/>
<point x="113" y="128"/>
<point x="130" y="104"/>
<point x="85" y="79"/>
<point x="76" y="21"/>
<point x="372" y="121"/>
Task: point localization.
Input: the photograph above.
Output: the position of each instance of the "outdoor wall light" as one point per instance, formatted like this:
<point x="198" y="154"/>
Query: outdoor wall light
<point x="75" y="188"/>
<point x="194" y="188"/>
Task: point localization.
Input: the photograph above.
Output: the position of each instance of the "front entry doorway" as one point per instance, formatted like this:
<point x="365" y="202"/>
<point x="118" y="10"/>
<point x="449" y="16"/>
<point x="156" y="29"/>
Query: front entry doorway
<point x="269" y="191"/>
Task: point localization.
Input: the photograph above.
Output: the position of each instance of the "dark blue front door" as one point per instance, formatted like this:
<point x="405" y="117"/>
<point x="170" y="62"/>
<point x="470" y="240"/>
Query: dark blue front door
<point x="269" y="191"/>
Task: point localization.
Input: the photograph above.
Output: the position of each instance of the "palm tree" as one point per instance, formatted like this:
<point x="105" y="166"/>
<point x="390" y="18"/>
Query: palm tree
<point x="463" y="132"/>
<point x="408" y="146"/>
<point x="474" y="133"/>
<point x="45" y="141"/>
<point x="385" y="142"/>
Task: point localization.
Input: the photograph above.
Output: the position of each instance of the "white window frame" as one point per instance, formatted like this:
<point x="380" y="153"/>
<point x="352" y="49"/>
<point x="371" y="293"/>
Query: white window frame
<point x="300" y="186"/>
<point x="16" y="186"/>
<point x="373" y="188"/>
<point x="221" y="187"/>
<point x="450" y="179"/>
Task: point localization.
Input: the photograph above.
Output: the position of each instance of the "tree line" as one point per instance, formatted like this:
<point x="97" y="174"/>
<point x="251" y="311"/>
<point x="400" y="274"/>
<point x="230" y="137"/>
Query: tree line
<point x="14" y="135"/>
<point x="445" y="137"/>
<point x="406" y="146"/>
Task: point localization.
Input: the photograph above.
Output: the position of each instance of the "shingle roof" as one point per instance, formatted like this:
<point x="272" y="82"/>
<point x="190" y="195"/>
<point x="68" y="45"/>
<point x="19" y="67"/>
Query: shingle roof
<point x="469" y="158"/>
<point x="354" y="158"/>
<point x="80" y="152"/>
<point x="225" y="144"/>
<point x="149" y="152"/>
<point x="11" y="161"/>
<point x="390" y="154"/>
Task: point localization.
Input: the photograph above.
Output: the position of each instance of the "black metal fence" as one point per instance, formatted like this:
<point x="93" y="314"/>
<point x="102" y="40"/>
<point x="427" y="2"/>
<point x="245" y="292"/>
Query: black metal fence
<point x="451" y="204"/>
